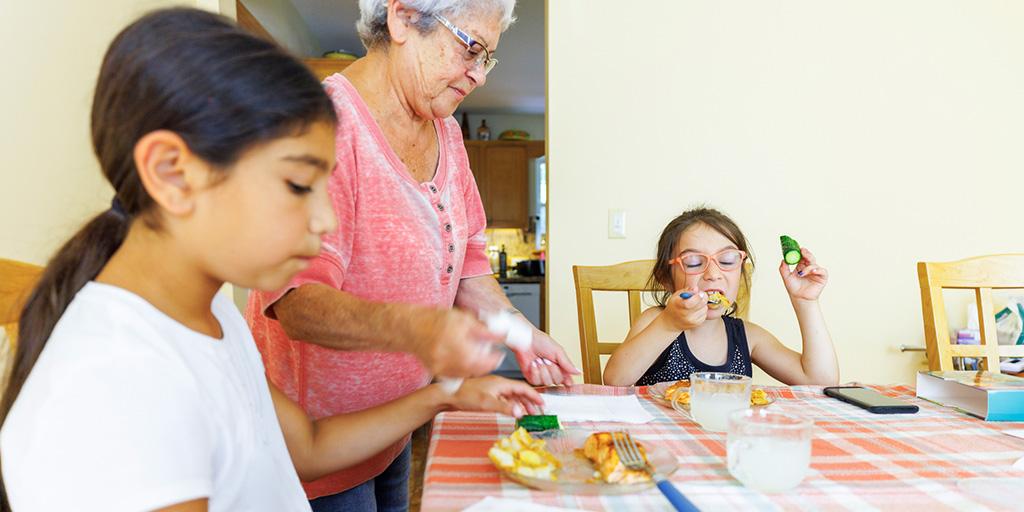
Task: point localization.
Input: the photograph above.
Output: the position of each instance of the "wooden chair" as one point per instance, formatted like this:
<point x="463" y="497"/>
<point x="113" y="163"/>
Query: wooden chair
<point x="981" y="274"/>
<point x="16" y="282"/>
<point x="630" y="277"/>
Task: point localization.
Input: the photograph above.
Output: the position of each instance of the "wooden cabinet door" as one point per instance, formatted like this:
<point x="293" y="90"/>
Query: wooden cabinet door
<point x="507" y="199"/>
<point x="476" y="164"/>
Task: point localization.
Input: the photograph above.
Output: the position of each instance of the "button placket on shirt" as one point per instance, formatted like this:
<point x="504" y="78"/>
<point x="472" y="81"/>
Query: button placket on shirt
<point x="447" y="235"/>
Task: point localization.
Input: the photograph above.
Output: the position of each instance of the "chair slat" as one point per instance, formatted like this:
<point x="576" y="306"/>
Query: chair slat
<point x="989" y="336"/>
<point x="16" y="282"/>
<point x="634" y="305"/>
<point x="982" y="351"/>
<point x="630" y="277"/>
<point x="981" y="274"/>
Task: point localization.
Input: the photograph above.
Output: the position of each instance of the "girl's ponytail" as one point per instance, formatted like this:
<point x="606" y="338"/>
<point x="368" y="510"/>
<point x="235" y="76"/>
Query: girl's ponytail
<point x="188" y="71"/>
<point x="74" y="265"/>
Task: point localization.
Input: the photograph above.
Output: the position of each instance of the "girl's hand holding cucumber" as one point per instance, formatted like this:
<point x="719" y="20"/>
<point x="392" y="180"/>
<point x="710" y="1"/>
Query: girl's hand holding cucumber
<point x="806" y="279"/>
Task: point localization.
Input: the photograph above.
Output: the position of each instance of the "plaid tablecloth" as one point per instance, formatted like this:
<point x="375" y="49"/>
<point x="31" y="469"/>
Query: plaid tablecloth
<point x="860" y="461"/>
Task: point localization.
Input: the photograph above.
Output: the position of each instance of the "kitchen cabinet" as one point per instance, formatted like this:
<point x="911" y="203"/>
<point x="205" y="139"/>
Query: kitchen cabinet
<point x="501" y="170"/>
<point x="324" y="68"/>
<point x="320" y="67"/>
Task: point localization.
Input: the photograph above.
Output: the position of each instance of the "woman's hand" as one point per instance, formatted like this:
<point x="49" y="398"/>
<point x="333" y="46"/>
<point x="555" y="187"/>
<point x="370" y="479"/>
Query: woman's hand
<point x="806" y="281"/>
<point x="685" y="314"/>
<point x="545" y="362"/>
<point x="453" y="343"/>
<point x="497" y="394"/>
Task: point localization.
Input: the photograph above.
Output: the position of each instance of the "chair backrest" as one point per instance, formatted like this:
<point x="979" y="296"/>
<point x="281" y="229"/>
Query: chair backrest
<point x="16" y="282"/>
<point x="630" y="277"/>
<point x="981" y="274"/>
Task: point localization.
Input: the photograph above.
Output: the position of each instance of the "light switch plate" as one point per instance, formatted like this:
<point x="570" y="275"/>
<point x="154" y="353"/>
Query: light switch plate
<point x="616" y="224"/>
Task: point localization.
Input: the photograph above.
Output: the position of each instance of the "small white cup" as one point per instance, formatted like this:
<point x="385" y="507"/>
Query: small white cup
<point x="767" y="450"/>
<point x="713" y="396"/>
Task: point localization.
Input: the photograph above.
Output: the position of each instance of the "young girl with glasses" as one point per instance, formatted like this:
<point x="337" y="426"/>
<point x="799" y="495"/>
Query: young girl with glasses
<point x="702" y="257"/>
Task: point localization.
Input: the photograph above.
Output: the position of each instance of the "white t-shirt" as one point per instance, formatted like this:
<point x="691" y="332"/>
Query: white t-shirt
<point x="127" y="409"/>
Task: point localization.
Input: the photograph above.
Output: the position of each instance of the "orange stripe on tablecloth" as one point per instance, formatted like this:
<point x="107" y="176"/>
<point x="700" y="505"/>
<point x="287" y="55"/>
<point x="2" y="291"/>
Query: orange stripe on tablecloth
<point x="941" y="474"/>
<point x="450" y="422"/>
<point x="777" y="392"/>
<point x="471" y="425"/>
<point x="463" y="474"/>
<point x="844" y="426"/>
<point x="462" y="448"/>
<point x="825" y="448"/>
<point x="714" y="446"/>
<point x="883" y="445"/>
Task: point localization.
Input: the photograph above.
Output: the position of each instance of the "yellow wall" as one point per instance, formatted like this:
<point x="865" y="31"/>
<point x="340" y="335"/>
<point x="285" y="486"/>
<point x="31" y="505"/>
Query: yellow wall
<point x="876" y="133"/>
<point x="49" y="179"/>
<point x="50" y="182"/>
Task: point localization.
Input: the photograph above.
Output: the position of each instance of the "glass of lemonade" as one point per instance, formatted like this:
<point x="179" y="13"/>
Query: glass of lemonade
<point x="713" y="396"/>
<point x="767" y="450"/>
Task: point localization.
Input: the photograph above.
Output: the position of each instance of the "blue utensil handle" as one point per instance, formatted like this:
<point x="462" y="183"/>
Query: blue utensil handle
<point x="675" y="497"/>
<point x="686" y="295"/>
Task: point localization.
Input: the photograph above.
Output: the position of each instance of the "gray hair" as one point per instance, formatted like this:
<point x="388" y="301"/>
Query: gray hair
<point x="373" y="15"/>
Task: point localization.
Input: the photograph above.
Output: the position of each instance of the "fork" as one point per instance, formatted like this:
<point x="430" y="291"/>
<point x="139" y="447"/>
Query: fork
<point x="630" y="456"/>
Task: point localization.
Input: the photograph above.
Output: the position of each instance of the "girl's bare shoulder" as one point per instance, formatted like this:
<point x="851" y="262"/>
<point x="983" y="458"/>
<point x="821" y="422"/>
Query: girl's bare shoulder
<point x="647" y="316"/>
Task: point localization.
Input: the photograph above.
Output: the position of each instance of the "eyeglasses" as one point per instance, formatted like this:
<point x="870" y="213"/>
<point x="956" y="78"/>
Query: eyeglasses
<point x="697" y="262"/>
<point x="475" y="52"/>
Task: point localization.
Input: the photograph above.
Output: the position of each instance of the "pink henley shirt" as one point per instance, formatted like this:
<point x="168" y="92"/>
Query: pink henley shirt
<point x="397" y="241"/>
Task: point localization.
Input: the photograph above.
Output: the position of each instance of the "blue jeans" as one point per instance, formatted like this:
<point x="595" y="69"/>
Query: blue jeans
<point x="387" y="492"/>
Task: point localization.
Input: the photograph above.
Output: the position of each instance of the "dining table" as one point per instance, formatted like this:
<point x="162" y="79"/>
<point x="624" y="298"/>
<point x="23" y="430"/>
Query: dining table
<point x="936" y="459"/>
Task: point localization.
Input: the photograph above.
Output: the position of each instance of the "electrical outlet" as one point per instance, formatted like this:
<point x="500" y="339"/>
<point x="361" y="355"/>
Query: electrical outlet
<point x="616" y="224"/>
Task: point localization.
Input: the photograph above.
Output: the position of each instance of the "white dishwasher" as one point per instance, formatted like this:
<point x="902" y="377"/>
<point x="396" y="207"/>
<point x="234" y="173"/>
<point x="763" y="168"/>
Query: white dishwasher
<point x="526" y="298"/>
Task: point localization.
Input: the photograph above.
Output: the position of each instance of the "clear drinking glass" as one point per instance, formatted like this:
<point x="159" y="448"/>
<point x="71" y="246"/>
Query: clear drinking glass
<point x="713" y="396"/>
<point x="767" y="450"/>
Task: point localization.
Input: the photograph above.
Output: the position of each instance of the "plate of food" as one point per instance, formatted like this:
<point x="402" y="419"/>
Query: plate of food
<point x="574" y="461"/>
<point x="679" y="392"/>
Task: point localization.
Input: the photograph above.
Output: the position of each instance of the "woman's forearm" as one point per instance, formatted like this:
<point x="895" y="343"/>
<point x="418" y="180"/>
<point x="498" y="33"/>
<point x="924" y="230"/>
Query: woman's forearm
<point x="482" y="293"/>
<point x="332" y="318"/>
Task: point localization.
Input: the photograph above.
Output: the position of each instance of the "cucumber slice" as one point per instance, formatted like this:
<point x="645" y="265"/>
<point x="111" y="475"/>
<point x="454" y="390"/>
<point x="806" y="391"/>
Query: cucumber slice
<point x="790" y="250"/>
<point x="538" y="423"/>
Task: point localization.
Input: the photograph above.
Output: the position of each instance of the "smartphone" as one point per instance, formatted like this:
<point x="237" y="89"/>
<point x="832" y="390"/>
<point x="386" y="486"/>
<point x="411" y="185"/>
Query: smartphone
<point x="871" y="400"/>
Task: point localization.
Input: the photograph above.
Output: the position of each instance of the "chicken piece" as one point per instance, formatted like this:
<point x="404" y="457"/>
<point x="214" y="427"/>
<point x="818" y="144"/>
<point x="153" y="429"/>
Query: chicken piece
<point x="600" y="450"/>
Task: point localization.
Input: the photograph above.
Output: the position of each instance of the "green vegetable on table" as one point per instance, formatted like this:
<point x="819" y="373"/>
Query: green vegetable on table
<point x="538" y="423"/>
<point x="790" y="250"/>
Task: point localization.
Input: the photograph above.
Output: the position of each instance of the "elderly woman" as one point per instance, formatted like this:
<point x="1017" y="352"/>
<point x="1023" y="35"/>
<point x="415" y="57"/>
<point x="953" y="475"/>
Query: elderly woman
<point x="410" y="243"/>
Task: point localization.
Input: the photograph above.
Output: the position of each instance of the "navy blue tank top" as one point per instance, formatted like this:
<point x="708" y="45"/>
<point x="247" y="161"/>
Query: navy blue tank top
<point x="677" y="362"/>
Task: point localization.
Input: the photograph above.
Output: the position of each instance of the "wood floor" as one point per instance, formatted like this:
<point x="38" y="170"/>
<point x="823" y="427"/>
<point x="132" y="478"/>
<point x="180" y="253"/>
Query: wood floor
<point x="420" y="442"/>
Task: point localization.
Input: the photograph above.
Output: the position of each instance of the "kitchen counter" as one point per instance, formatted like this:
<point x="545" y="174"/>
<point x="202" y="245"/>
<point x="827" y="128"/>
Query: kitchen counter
<point x="512" y="278"/>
